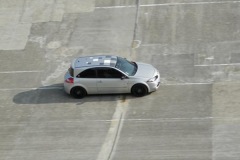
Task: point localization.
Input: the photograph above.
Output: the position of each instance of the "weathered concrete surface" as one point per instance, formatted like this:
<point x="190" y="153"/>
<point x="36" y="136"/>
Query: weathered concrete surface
<point x="110" y="3"/>
<point x="194" y="115"/>
<point x="226" y="123"/>
<point x="104" y="31"/>
<point x="16" y="17"/>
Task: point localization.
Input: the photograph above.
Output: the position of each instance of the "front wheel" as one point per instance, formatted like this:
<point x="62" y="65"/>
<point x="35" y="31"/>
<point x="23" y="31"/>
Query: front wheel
<point x="78" y="92"/>
<point x="139" y="90"/>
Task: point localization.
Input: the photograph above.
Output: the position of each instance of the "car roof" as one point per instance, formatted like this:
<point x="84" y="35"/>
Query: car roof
<point x="97" y="60"/>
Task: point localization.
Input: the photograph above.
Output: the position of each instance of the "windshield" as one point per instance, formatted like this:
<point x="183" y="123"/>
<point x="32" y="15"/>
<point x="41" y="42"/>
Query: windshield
<point x="129" y="68"/>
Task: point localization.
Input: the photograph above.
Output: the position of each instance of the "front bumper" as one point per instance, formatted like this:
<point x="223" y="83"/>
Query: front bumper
<point x="153" y="86"/>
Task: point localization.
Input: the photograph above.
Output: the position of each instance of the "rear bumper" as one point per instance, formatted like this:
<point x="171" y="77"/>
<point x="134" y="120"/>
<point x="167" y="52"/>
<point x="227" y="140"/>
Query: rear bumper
<point x="67" y="87"/>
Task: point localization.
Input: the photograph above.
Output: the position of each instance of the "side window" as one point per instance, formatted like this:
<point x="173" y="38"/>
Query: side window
<point x="108" y="73"/>
<point x="89" y="73"/>
<point x="70" y="70"/>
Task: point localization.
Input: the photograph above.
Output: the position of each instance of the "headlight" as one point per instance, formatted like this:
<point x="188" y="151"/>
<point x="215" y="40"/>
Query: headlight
<point x="153" y="79"/>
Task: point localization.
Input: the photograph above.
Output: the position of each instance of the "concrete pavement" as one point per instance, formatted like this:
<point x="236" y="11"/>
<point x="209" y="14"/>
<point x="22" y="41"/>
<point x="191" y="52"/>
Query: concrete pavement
<point x="194" y="114"/>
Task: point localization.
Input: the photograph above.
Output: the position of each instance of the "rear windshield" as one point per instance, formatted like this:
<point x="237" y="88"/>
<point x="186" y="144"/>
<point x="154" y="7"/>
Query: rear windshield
<point x="70" y="70"/>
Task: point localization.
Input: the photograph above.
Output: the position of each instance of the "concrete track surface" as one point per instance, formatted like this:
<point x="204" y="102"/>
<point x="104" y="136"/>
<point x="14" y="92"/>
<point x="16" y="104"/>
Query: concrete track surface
<point x="195" y="114"/>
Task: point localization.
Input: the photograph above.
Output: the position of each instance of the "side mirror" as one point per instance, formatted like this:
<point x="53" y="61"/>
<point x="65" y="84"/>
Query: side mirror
<point x="123" y="77"/>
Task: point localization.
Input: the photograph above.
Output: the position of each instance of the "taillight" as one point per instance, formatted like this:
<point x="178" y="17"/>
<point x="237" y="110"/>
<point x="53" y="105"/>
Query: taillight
<point x="69" y="80"/>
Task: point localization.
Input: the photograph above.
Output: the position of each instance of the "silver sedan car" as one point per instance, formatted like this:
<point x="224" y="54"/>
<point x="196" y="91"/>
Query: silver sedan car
<point x="104" y="74"/>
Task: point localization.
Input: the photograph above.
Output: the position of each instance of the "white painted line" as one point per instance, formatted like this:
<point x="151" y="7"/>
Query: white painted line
<point x="22" y="71"/>
<point x="168" y="4"/>
<point x="172" y="119"/>
<point x="40" y="88"/>
<point x="115" y="120"/>
<point x="210" y="58"/>
<point x="109" y="7"/>
<point x="189" y="3"/>
<point x="181" y="84"/>
<point x="226" y="64"/>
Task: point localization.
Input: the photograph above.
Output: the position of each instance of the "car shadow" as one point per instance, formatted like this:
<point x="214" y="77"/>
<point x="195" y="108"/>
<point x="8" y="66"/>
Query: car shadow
<point x="56" y="94"/>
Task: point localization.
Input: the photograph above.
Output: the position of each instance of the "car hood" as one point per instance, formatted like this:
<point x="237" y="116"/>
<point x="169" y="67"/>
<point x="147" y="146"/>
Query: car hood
<point x="145" y="70"/>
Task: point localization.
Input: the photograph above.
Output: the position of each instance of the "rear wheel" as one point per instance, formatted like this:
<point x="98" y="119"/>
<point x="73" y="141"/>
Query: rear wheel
<point x="139" y="90"/>
<point x="78" y="92"/>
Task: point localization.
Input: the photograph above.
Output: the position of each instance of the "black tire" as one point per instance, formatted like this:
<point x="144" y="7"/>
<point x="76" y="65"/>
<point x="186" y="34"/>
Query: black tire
<point x="139" y="90"/>
<point x="78" y="92"/>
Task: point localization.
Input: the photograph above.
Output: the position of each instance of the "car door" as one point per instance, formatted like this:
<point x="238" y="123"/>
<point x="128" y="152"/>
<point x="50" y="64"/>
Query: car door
<point x="88" y="80"/>
<point x="109" y="80"/>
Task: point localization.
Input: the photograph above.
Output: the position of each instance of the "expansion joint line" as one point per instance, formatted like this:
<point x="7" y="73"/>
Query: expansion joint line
<point x="136" y="23"/>
<point x="116" y="136"/>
